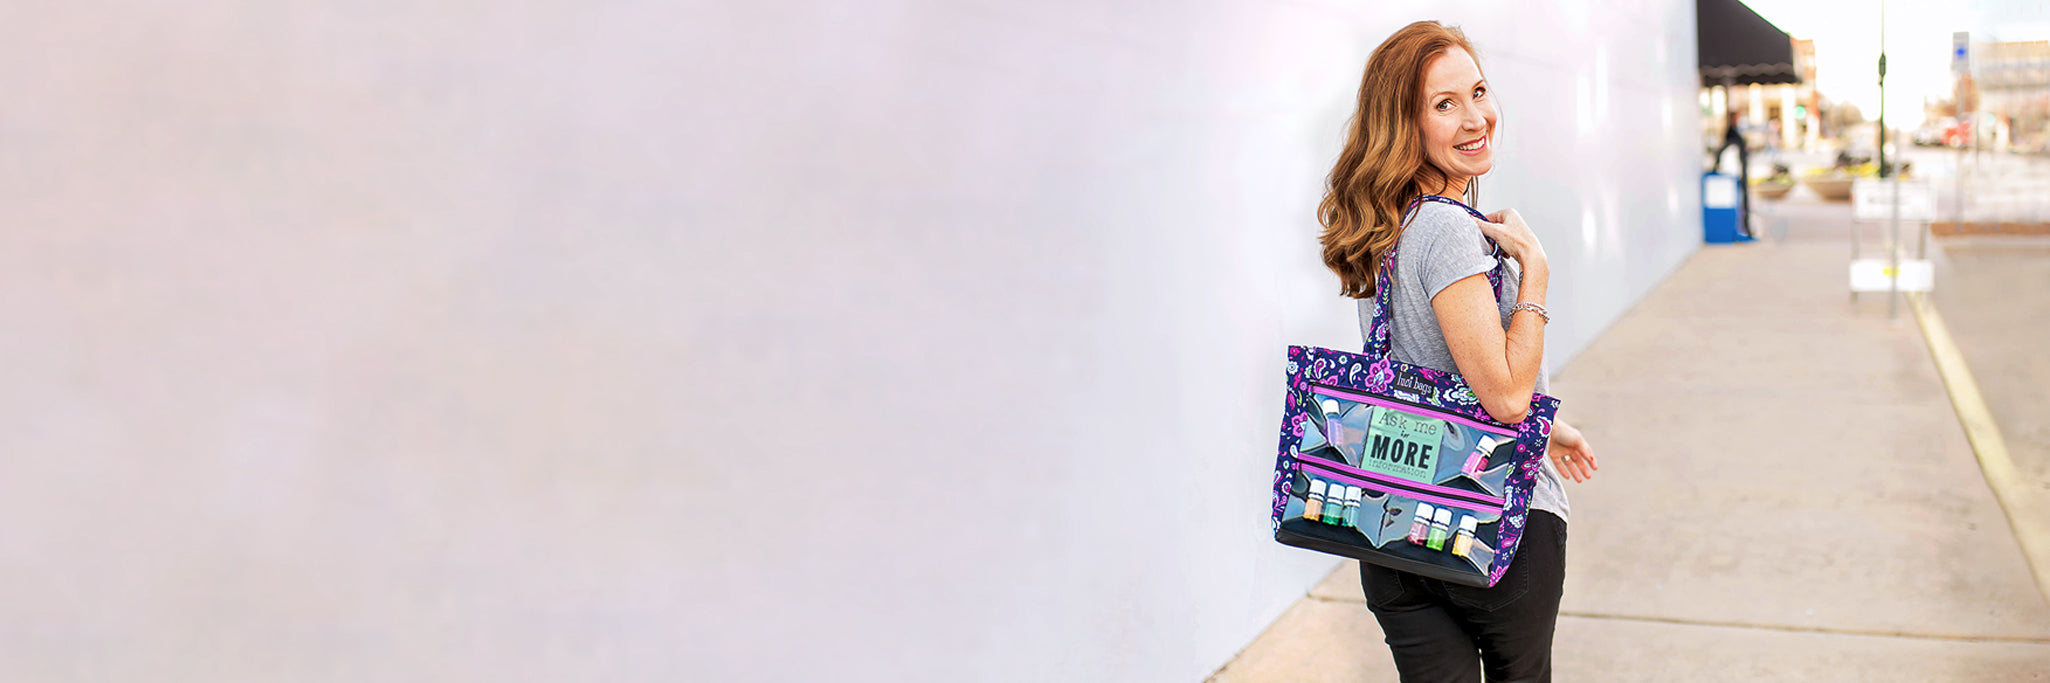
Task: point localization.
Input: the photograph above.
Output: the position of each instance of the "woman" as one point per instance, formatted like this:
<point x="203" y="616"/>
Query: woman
<point x="1425" y="125"/>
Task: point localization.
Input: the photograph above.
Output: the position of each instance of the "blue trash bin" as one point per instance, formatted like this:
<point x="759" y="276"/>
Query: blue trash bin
<point x="1719" y="202"/>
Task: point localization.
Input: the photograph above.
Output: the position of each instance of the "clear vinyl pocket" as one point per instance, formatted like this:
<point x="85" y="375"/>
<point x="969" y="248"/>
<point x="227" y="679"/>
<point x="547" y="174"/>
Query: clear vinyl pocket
<point x="1418" y="485"/>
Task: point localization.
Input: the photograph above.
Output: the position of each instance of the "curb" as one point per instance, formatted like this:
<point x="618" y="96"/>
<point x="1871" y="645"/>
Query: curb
<point x="1950" y="229"/>
<point x="2028" y="513"/>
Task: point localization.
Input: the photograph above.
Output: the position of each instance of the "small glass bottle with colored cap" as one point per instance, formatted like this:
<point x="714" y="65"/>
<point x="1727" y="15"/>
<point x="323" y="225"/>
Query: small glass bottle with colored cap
<point x="1334" y="428"/>
<point x="1463" y="543"/>
<point x="1352" y="506"/>
<point x="1420" y="528"/>
<point x="1479" y="457"/>
<point x="1334" y="504"/>
<point x="1441" y="528"/>
<point x="1313" y="506"/>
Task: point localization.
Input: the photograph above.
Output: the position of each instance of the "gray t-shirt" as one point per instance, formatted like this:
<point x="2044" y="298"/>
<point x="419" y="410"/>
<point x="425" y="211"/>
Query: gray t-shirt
<point x="1442" y="245"/>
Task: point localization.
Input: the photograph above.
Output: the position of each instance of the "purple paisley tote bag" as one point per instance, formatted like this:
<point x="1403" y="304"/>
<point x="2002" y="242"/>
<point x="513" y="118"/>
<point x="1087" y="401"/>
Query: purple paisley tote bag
<point x="1397" y="464"/>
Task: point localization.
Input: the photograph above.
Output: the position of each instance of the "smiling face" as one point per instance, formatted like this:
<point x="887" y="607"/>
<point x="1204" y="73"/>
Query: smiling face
<point x="1458" y="119"/>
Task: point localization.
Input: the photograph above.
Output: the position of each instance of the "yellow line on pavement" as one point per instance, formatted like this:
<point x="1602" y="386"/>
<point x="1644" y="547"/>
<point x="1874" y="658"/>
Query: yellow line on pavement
<point x="2028" y="513"/>
<point x="1819" y="630"/>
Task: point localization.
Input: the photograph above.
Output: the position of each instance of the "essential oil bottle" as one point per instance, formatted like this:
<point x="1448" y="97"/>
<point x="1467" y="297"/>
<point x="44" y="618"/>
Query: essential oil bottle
<point x="1478" y="459"/>
<point x="1334" y="504"/>
<point x="1352" y="506"/>
<point x="1334" y="429"/>
<point x="1313" y="506"/>
<point x="1420" y="529"/>
<point x="1463" y="543"/>
<point x="1441" y="528"/>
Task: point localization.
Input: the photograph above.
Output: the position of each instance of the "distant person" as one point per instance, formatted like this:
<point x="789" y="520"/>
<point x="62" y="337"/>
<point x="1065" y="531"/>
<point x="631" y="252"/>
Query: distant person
<point x="1425" y="125"/>
<point x="1733" y="136"/>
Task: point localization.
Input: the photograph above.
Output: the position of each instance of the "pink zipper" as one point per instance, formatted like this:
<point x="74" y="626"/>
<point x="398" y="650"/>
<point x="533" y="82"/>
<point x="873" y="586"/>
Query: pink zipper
<point x="1407" y="408"/>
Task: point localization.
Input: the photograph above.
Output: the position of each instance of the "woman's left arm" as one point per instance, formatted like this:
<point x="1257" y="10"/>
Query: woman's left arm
<point x="1570" y="453"/>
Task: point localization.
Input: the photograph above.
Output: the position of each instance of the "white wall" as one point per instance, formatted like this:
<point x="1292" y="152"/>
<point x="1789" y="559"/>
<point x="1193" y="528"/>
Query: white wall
<point x="739" y="341"/>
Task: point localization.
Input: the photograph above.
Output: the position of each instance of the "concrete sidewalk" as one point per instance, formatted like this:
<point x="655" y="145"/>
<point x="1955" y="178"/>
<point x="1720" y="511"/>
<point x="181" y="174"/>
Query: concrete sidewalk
<point x="1786" y="494"/>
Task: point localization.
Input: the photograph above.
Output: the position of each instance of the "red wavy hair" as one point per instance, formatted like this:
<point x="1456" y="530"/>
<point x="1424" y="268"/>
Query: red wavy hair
<point x="1383" y="163"/>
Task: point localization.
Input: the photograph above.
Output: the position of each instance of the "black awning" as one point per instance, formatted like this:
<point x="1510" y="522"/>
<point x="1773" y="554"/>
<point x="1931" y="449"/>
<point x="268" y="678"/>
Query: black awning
<point x="1738" y="47"/>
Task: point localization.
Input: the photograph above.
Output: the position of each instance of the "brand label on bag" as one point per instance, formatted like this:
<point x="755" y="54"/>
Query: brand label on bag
<point x="1402" y="445"/>
<point x="1413" y="383"/>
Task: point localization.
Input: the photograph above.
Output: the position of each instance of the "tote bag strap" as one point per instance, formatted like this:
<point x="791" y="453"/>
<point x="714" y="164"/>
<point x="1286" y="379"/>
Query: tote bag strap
<point x="1377" y="330"/>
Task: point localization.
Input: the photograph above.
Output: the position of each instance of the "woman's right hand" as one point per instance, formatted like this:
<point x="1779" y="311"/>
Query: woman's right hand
<point x="1506" y="228"/>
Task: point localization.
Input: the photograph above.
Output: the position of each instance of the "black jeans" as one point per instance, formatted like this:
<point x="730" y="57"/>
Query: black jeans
<point x="1447" y="632"/>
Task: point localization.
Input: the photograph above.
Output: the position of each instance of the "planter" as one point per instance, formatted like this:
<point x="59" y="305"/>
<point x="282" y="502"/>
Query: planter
<point x="1832" y="188"/>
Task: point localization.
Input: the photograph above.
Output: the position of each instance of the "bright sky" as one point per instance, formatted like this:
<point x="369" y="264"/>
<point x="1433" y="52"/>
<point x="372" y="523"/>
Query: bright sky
<point x="1846" y="35"/>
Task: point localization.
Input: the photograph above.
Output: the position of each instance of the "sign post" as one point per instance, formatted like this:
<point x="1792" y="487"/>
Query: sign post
<point x="1961" y="77"/>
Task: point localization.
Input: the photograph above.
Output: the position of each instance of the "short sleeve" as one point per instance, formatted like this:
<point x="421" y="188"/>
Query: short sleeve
<point x="1451" y="248"/>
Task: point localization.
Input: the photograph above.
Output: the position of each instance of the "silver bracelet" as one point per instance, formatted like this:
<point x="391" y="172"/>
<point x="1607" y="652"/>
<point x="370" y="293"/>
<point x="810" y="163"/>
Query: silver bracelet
<point x="1534" y="308"/>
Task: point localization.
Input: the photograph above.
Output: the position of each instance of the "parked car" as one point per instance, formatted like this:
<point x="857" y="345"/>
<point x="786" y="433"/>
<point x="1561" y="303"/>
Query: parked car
<point x="1931" y="133"/>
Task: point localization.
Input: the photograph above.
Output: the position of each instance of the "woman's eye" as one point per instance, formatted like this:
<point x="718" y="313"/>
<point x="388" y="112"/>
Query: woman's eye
<point x="1444" y="104"/>
<point x="1480" y="92"/>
